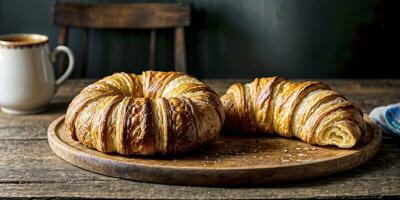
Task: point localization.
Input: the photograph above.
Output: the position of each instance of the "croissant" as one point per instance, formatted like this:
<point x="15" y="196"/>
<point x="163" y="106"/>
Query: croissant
<point x="156" y="112"/>
<point x="308" y="110"/>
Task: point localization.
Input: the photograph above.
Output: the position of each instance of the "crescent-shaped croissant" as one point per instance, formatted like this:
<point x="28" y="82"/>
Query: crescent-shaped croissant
<point x="308" y="110"/>
<point x="156" y="112"/>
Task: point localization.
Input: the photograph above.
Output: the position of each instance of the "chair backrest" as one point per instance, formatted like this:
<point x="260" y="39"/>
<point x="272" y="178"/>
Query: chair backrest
<point x="124" y="16"/>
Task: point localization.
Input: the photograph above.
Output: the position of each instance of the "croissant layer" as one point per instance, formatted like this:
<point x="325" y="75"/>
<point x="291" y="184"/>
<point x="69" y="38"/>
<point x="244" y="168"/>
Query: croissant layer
<point x="156" y="112"/>
<point x="308" y="110"/>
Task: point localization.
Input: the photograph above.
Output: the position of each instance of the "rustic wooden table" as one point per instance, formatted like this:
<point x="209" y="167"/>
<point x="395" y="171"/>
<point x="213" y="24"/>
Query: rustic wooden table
<point x="28" y="168"/>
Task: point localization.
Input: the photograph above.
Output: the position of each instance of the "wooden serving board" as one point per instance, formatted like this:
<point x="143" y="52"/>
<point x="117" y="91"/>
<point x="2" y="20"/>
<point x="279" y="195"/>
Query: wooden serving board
<point x="231" y="160"/>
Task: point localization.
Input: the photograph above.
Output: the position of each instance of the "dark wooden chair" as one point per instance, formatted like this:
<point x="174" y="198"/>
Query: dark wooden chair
<point x="150" y="16"/>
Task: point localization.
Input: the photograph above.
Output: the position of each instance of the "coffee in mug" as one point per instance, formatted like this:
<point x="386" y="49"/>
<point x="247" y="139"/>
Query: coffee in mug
<point x="27" y="80"/>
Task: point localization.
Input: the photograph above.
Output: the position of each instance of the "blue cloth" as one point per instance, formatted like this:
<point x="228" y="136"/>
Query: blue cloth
<point x="388" y="117"/>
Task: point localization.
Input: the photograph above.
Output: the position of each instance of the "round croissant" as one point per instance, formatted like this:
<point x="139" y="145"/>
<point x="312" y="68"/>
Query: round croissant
<point x="309" y="110"/>
<point x="156" y="112"/>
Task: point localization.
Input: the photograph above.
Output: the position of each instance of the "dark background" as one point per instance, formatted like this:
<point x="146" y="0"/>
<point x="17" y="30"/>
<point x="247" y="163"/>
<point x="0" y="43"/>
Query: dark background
<point x="243" y="39"/>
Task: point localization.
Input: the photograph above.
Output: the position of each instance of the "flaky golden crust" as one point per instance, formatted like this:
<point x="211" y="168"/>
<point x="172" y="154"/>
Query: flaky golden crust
<point x="156" y="112"/>
<point x="308" y="110"/>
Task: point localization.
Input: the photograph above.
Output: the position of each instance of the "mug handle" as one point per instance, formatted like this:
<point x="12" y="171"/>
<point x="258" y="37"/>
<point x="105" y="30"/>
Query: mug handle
<point x="71" y="59"/>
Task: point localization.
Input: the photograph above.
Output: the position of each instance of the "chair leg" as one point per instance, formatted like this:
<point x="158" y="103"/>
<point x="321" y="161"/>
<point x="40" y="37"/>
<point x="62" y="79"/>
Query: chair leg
<point x="85" y="53"/>
<point x="180" y="55"/>
<point x="62" y="39"/>
<point x="152" y="51"/>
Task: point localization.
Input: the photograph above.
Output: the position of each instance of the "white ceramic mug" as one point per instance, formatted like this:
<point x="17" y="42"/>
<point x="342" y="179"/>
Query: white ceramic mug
<point x="27" y="81"/>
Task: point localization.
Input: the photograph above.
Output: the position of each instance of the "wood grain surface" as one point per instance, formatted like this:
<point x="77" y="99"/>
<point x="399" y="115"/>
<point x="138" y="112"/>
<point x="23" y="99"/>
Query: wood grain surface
<point x="29" y="169"/>
<point x="231" y="160"/>
<point x="121" y="15"/>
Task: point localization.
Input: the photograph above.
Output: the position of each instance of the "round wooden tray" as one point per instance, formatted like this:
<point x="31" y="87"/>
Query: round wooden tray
<point x="231" y="160"/>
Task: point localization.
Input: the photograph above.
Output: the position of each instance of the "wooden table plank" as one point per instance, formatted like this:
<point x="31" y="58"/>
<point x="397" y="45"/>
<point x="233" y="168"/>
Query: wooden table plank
<point x="16" y="156"/>
<point x="128" y="190"/>
<point x="28" y="168"/>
